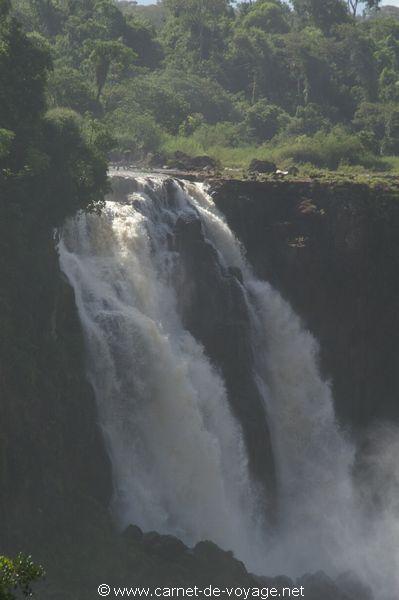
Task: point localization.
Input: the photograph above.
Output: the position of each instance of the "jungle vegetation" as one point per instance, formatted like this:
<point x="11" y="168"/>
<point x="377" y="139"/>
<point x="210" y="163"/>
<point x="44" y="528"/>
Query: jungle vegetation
<point x="314" y="82"/>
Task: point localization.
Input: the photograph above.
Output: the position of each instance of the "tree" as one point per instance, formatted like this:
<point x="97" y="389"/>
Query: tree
<point x="324" y="14"/>
<point x="17" y="576"/>
<point x="70" y="88"/>
<point x="391" y="142"/>
<point x="265" y="120"/>
<point x="102" y="57"/>
<point x="370" y="5"/>
<point x="195" y="30"/>
<point x="268" y="16"/>
<point x="5" y="6"/>
<point x="24" y="63"/>
<point x="140" y="37"/>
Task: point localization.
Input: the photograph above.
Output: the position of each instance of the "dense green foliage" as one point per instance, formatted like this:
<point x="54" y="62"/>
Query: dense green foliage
<point x="52" y="163"/>
<point x="17" y="577"/>
<point x="39" y="148"/>
<point x="215" y="74"/>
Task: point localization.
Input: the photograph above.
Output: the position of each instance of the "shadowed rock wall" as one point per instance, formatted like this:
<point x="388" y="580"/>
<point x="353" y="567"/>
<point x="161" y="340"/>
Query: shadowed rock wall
<point x="54" y="473"/>
<point x="333" y="252"/>
<point x="214" y="310"/>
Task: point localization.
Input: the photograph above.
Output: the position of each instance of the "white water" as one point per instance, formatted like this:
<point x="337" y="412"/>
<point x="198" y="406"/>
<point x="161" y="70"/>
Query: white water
<point x="178" y="454"/>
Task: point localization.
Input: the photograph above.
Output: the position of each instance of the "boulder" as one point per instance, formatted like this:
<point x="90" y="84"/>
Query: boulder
<point x="262" y="166"/>
<point x="204" y="162"/>
<point x="293" y="170"/>
<point x="155" y="160"/>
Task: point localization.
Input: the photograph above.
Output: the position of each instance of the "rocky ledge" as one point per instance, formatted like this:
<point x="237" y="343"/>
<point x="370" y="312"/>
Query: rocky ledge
<point x="137" y="559"/>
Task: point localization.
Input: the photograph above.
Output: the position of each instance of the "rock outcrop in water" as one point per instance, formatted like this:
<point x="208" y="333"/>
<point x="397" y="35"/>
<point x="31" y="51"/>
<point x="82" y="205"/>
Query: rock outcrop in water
<point x="212" y="302"/>
<point x="163" y="559"/>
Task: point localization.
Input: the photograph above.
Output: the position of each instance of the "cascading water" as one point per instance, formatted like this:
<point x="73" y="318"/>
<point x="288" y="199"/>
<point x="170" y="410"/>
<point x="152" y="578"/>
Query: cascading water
<point x="178" y="447"/>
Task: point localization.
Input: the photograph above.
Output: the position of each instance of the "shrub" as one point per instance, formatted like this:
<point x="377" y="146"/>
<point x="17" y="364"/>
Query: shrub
<point x="6" y="138"/>
<point x="17" y="577"/>
<point x="134" y="132"/>
<point x="308" y="120"/>
<point x="65" y="121"/>
<point x="329" y="150"/>
<point x="172" y="144"/>
<point x="390" y="144"/>
<point x="191" y="124"/>
<point x="263" y="121"/>
<point x="221" y="134"/>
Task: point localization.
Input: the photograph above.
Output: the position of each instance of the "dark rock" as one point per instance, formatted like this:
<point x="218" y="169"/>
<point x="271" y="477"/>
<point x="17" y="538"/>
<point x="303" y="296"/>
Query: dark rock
<point x="165" y="546"/>
<point x="237" y="273"/>
<point x="214" y="309"/>
<point x="155" y="160"/>
<point x="182" y="156"/>
<point x="332" y="249"/>
<point x="280" y="581"/>
<point x="293" y="170"/>
<point x="319" y="586"/>
<point x="210" y="551"/>
<point x="189" y="229"/>
<point x="133" y="534"/>
<point x="123" y="186"/>
<point x="353" y="587"/>
<point x="262" y="166"/>
<point x="185" y="162"/>
<point x="204" y="162"/>
<point x="151" y="538"/>
<point x="218" y="561"/>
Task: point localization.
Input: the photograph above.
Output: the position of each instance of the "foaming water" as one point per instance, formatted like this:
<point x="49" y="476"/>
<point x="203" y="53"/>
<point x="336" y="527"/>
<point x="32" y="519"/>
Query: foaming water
<point x="178" y="456"/>
<point x="179" y="459"/>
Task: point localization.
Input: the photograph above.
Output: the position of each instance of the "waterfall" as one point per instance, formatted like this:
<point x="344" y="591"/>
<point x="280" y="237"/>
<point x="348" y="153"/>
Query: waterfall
<point x="182" y="452"/>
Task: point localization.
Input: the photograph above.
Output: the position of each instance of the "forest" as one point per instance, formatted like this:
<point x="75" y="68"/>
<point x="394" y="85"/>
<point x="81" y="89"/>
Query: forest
<point x="313" y="83"/>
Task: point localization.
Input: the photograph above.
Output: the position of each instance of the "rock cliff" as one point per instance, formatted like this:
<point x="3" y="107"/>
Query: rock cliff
<point x="332" y="250"/>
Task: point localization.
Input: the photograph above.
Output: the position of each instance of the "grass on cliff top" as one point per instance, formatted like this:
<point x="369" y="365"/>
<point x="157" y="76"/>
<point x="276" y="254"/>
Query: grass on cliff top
<point x="327" y="155"/>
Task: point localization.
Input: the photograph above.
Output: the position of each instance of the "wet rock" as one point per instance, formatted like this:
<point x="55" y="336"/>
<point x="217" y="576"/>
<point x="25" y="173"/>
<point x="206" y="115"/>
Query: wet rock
<point x="214" y="309"/>
<point x="237" y="273"/>
<point x="189" y="229"/>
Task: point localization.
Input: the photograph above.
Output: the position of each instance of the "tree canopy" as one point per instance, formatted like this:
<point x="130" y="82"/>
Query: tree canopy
<point x="267" y="69"/>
